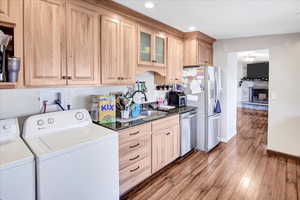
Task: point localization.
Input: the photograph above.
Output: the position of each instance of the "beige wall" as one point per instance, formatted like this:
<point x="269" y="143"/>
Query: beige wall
<point x="284" y="107"/>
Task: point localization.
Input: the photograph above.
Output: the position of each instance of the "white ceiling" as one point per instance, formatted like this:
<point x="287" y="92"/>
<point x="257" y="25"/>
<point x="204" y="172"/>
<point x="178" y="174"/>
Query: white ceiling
<point x="225" y="18"/>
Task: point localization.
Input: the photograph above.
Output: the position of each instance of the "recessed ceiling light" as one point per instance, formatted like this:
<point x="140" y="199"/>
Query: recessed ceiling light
<point x="192" y="28"/>
<point x="149" y="4"/>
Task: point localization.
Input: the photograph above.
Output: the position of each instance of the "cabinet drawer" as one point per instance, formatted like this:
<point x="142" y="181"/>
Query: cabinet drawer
<point x="165" y="123"/>
<point x="137" y="144"/>
<point x="134" y="174"/>
<point x="135" y="132"/>
<point x="135" y="156"/>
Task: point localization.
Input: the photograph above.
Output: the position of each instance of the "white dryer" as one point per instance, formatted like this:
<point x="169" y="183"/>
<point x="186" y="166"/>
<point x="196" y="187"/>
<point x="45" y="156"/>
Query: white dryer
<point x="75" y="159"/>
<point x="17" y="170"/>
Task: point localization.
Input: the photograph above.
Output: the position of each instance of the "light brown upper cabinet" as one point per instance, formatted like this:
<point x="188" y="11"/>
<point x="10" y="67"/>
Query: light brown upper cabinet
<point x="128" y="52"/>
<point x="11" y="17"/>
<point x="175" y="60"/>
<point x="44" y="42"/>
<point x="198" y="49"/>
<point x="197" y="52"/>
<point x="118" y="47"/>
<point x="205" y="53"/>
<point x="47" y="44"/>
<point x="83" y="35"/>
<point x="152" y="48"/>
<point x="9" y="10"/>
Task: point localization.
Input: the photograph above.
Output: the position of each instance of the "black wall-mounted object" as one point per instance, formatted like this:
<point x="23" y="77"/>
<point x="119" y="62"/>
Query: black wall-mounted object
<point x="258" y="70"/>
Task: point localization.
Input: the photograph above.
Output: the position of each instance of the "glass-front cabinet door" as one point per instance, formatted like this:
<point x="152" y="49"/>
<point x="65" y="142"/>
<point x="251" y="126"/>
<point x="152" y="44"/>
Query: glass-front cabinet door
<point x="160" y="51"/>
<point x="145" y="47"/>
<point x="152" y="48"/>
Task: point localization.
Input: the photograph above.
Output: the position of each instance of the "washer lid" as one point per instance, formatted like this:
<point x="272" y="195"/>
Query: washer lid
<point x="14" y="154"/>
<point x="61" y="142"/>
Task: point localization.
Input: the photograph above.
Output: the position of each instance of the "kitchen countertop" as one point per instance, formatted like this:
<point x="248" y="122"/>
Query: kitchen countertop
<point x="117" y="126"/>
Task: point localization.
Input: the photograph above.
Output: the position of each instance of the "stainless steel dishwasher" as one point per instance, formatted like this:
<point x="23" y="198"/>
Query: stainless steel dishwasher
<point x="188" y="124"/>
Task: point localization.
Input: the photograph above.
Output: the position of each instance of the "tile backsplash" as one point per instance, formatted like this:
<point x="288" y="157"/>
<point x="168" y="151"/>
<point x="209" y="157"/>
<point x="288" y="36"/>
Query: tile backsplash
<point x="25" y="102"/>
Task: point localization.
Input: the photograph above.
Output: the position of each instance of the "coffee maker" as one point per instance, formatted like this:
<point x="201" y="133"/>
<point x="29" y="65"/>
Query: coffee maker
<point x="176" y="98"/>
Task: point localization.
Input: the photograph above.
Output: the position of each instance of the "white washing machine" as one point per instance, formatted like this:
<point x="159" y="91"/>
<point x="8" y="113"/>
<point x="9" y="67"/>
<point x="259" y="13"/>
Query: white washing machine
<point x="75" y="159"/>
<point x="17" y="169"/>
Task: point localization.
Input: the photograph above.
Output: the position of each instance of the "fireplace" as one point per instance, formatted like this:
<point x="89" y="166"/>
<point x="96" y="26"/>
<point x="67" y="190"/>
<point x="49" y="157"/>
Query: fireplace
<point x="259" y="95"/>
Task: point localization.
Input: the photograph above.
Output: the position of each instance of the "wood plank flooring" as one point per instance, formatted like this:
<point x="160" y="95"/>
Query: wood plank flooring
<point x="240" y="169"/>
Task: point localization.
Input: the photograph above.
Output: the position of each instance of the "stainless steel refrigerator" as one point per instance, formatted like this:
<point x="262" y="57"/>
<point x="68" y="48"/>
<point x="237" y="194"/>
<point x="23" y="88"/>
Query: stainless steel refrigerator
<point x="202" y="86"/>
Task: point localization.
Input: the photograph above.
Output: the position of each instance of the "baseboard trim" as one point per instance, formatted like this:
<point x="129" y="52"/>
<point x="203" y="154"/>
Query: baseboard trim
<point x="284" y="155"/>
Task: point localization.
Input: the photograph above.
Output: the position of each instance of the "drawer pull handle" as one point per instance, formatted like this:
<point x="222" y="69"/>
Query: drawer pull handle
<point x="131" y="159"/>
<point x="133" y="170"/>
<point x="133" y="146"/>
<point x="135" y="133"/>
<point x="168" y="133"/>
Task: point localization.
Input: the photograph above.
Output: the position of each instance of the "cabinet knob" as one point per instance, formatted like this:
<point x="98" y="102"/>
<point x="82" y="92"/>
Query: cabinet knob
<point x="168" y="133"/>
<point x="154" y="61"/>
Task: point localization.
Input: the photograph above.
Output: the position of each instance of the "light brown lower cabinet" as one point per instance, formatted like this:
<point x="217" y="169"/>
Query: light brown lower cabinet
<point x="145" y="149"/>
<point x="165" y="142"/>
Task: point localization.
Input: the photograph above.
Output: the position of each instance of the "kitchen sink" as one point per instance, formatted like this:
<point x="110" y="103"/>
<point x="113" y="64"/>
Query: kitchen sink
<point x="152" y="114"/>
<point x="146" y="115"/>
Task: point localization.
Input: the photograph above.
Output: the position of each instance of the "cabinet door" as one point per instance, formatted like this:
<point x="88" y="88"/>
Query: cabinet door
<point x="160" y="51"/>
<point x="44" y="42"/>
<point x="145" y="47"/>
<point x="175" y="60"/>
<point x="110" y="44"/>
<point x="158" y="150"/>
<point x="9" y="10"/>
<point x="172" y="144"/>
<point x="191" y="56"/>
<point x="205" y="54"/>
<point x="165" y="147"/>
<point x="83" y="45"/>
<point x="128" y="52"/>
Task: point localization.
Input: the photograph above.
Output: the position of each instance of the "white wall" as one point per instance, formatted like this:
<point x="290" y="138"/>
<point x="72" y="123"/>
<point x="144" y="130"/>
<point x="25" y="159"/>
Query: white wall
<point x="24" y="102"/>
<point x="241" y="73"/>
<point x="228" y="102"/>
<point x="284" y="105"/>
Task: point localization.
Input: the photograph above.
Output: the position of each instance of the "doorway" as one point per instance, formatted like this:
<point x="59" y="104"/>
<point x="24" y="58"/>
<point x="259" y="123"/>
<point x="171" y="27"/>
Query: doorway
<point x="252" y="93"/>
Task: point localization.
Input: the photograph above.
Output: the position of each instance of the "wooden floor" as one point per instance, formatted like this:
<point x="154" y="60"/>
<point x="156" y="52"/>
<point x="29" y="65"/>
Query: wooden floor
<point x="240" y="169"/>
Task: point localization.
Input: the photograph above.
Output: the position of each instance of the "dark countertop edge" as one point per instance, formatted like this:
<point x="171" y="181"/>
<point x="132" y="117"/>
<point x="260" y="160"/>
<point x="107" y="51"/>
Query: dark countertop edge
<point x="175" y="111"/>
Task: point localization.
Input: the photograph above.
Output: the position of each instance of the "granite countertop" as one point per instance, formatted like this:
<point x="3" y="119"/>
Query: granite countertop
<point x="117" y="126"/>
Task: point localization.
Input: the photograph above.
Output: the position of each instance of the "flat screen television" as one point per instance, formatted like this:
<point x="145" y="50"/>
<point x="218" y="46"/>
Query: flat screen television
<point x="258" y="70"/>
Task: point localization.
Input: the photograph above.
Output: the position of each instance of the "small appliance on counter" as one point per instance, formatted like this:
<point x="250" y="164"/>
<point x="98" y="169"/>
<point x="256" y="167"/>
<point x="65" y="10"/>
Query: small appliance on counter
<point x="176" y="98"/>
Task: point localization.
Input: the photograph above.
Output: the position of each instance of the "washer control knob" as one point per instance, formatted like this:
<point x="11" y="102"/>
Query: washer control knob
<point x="50" y="120"/>
<point x="40" y="122"/>
<point x="79" y="116"/>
